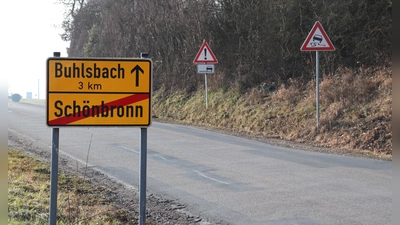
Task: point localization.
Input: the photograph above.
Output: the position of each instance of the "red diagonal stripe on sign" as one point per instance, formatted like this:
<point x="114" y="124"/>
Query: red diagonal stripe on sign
<point x="119" y="102"/>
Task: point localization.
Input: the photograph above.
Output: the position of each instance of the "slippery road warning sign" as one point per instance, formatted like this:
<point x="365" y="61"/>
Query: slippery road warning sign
<point x="317" y="40"/>
<point x="99" y="92"/>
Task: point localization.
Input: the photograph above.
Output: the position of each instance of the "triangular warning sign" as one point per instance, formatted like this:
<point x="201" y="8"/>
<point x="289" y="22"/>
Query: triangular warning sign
<point x="205" y="55"/>
<point x="317" y="40"/>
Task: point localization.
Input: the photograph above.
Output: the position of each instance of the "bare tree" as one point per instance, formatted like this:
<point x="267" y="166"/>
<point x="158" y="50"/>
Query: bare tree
<point x="256" y="41"/>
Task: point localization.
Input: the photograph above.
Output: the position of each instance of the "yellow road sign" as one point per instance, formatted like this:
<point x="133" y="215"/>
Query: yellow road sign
<point x="99" y="92"/>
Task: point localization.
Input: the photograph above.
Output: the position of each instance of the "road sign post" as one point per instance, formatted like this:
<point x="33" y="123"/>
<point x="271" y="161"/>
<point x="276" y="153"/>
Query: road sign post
<point x="205" y="60"/>
<point x="54" y="170"/>
<point x="317" y="40"/>
<point x="206" y="84"/>
<point x="317" y="87"/>
<point x="143" y="176"/>
<point x="143" y="170"/>
<point x="98" y="92"/>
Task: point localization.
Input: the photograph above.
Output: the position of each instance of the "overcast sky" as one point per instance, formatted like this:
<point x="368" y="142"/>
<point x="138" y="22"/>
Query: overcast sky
<point x="29" y="35"/>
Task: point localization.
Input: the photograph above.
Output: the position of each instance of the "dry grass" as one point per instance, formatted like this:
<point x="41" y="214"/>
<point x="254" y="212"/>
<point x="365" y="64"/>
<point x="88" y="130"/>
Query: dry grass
<point x="79" y="202"/>
<point x="355" y="111"/>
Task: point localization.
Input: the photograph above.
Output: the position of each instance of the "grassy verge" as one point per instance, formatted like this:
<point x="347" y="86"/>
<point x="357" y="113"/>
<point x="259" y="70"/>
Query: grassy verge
<point x="79" y="202"/>
<point x="355" y="111"/>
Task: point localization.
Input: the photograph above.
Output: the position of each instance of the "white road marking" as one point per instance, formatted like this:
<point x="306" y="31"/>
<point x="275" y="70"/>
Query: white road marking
<point x="129" y="149"/>
<point x="159" y="156"/>
<point x="137" y="152"/>
<point x="213" y="179"/>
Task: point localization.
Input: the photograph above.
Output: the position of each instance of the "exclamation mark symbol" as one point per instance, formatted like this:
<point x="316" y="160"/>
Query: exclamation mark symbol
<point x="205" y="54"/>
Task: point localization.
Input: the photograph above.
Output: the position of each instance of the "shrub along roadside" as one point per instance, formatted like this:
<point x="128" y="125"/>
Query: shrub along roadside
<point x="355" y="111"/>
<point x="79" y="202"/>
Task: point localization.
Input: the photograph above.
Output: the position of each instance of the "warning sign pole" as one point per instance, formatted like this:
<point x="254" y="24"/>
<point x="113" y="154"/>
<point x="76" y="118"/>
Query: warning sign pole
<point x="317" y="40"/>
<point x="317" y="86"/>
<point x="205" y="77"/>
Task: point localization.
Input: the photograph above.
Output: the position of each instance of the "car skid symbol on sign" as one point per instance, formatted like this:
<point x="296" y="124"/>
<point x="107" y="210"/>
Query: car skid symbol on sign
<point x="316" y="40"/>
<point x="317" y="37"/>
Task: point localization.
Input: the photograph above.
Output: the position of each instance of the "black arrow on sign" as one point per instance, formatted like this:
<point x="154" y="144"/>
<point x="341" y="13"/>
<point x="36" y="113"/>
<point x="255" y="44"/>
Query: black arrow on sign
<point x="138" y="69"/>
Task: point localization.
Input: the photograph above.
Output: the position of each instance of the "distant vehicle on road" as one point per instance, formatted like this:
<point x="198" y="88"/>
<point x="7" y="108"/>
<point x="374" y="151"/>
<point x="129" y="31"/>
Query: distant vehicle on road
<point x="16" y="97"/>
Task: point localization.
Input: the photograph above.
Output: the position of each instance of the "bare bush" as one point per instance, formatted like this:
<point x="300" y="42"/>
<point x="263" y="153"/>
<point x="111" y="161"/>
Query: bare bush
<point x="255" y="41"/>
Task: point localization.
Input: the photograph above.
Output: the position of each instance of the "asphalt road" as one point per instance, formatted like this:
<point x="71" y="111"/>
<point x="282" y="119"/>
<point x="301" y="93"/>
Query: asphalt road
<point x="226" y="178"/>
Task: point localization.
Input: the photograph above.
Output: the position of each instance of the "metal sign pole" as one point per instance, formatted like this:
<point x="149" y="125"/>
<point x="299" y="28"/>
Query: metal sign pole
<point x="54" y="170"/>
<point x="317" y="87"/>
<point x="143" y="169"/>
<point x="54" y="176"/>
<point x="206" y="91"/>
<point x="143" y="174"/>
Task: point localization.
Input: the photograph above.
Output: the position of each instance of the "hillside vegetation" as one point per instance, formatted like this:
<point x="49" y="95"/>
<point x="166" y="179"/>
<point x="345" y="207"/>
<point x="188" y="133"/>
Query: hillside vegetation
<point x="263" y="85"/>
<point x="355" y="112"/>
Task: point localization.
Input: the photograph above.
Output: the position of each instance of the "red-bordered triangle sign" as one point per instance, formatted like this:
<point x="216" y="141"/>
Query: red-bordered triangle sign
<point x="205" y="55"/>
<point x="317" y="40"/>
